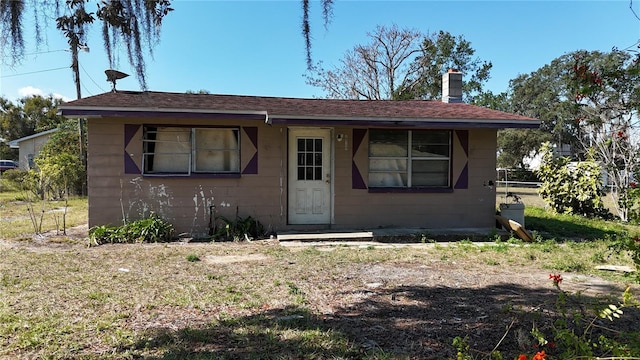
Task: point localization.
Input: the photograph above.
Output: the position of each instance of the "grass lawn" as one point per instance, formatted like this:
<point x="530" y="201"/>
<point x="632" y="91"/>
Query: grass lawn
<point x="264" y="300"/>
<point x="19" y="218"/>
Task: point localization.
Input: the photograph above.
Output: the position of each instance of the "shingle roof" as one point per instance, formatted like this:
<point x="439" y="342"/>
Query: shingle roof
<point x="278" y="108"/>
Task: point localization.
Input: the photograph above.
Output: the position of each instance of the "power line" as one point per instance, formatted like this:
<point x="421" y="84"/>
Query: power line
<point x="34" y="72"/>
<point x="85" y="88"/>
<point x="90" y="78"/>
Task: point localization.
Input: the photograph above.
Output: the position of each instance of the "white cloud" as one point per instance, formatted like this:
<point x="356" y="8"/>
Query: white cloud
<point x="31" y="91"/>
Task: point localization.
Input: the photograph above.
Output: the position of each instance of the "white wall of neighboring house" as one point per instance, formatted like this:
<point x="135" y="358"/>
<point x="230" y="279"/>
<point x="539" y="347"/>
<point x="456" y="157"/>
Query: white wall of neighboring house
<point x="29" y="147"/>
<point x="534" y="160"/>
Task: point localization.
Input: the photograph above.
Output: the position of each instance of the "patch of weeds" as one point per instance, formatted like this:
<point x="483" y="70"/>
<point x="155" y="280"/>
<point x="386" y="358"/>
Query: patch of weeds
<point x="569" y="265"/>
<point x="98" y="296"/>
<point x="238" y="229"/>
<point x="500" y="247"/>
<point x="598" y="257"/>
<point x="491" y="262"/>
<point x="311" y="250"/>
<point x="466" y="245"/>
<point x="6" y="280"/>
<point x="494" y="236"/>
<point x="277" y="252"/>
<point x="151" y="229"/>
<point x="293" y="289"/>
<point x="514" y="241"/>
<point x="547" y="246"/>
<point x="192" y="258"/>
<point x="424" y="238"/>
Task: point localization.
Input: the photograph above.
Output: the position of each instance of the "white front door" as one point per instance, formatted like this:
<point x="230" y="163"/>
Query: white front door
<point x="309" y="176"/>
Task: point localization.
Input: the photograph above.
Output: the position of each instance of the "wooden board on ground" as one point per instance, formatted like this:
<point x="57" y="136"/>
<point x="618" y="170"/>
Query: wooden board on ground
<point x="515" y="227"/>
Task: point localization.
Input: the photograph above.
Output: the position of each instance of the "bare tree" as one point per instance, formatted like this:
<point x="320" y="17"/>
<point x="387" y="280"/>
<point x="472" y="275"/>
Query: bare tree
<point x="607" y="99"/>
<point x="401" y="64"/>
<point x="370" y="71"/>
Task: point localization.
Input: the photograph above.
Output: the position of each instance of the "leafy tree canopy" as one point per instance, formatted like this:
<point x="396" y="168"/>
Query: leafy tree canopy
<point x="438" y="53"/>
<point x="28" y="116"/>
<point x="401" y="64"/>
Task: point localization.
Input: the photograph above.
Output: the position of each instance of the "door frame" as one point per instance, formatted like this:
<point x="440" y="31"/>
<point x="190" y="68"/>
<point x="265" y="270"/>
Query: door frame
<point x="292" y="131"/>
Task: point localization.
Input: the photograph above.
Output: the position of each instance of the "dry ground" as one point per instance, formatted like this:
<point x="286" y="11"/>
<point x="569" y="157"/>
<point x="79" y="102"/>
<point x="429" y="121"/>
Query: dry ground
<point x="382" y="301"/>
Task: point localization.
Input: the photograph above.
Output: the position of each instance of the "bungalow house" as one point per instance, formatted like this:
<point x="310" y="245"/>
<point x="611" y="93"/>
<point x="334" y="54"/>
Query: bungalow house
<point x="29" y="147"/>
<point x="292" y="164"/>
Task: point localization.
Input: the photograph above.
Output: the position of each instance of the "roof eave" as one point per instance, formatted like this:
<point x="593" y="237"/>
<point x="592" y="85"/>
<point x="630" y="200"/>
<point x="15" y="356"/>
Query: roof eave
<point x="405" y="122"/>
<point x="98" y="112"/>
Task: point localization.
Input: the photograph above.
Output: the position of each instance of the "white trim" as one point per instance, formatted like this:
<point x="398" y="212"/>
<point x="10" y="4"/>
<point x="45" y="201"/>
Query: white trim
<point x="14" y="144"/>
<point x="156" y="109"/>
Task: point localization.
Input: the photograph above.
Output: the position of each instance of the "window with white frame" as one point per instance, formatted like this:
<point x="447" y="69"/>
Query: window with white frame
<point x="170" y="150"/>
<point x="409" y="158"/>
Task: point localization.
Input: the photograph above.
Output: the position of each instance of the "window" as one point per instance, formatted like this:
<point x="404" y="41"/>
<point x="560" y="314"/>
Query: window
<point x="409" y="158"/>
<point x="185" y="151"/>
<point x="309" y="159"/>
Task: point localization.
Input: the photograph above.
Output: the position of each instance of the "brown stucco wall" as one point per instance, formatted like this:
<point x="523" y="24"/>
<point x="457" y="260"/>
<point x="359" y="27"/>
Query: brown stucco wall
<point x="473" y="207"/>
<point x="186" y="202"/>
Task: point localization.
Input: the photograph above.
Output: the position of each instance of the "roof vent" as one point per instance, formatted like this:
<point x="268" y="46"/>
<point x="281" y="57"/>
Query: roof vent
<point x="452" y="86"/>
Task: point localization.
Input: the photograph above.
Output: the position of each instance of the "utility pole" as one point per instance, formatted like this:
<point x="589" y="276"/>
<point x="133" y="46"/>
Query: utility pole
<point x="75" y="66"/>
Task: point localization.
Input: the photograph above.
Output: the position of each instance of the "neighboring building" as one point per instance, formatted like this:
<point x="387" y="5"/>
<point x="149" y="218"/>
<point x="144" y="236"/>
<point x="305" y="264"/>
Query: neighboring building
<point x="29" y="147"/>
<point x="292" y="164"/>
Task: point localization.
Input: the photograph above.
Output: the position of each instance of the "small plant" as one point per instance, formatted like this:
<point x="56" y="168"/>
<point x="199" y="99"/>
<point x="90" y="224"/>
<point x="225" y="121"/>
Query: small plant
<point x="238" y="230"/>
<point x="424" y="238"/>
<point x="293" y="289"/>
<point x="151" y="229"/>
<point x="192" y="258"/>
<point x="574" y="332"/>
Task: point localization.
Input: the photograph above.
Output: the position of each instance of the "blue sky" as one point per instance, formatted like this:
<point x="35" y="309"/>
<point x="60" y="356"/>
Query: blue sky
<point x="256" y="47"/>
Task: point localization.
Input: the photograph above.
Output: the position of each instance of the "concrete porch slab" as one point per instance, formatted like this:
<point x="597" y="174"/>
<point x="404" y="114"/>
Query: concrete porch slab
<point x="387" y="234"/>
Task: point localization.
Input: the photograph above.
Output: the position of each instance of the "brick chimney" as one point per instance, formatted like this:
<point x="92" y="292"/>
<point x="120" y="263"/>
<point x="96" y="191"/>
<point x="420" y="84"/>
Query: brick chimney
<point x="452" y="86"/>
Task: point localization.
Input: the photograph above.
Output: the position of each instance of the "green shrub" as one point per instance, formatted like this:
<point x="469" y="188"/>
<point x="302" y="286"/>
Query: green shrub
<point x="568" y="190"/>
<point x="14" y="178"/>
<point x="151" y="229"/>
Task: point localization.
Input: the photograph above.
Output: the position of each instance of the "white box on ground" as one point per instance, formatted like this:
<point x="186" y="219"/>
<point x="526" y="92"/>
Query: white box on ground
<point x="513" y="211"/>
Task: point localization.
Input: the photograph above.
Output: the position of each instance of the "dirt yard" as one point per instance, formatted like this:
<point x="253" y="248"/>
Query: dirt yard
<point x="404" y="300"/>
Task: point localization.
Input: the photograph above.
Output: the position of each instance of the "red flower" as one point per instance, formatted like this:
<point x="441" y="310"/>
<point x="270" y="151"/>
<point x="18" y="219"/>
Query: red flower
<point x="557" y="279"/>
<point x="522" y="357"/>
<point x="633" y="185"/>
<point x="540" y="356"/>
